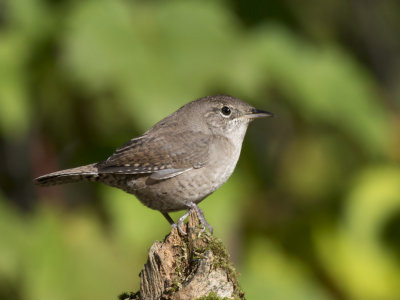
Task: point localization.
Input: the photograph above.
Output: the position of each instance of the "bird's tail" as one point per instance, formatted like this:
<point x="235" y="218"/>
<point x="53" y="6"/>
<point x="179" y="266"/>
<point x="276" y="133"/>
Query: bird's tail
<point x="88" y="172"/>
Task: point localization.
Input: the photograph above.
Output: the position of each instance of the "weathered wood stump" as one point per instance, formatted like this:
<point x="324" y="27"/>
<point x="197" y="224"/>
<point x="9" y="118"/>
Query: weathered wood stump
<point x="194" y="266"/>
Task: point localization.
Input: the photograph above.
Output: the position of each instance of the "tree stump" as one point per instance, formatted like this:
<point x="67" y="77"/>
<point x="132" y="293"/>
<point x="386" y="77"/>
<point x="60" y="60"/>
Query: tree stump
<point x="193" y="266"/>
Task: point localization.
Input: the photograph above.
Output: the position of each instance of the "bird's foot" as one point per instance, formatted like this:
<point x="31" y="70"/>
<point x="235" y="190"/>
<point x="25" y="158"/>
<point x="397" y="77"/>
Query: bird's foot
<point x="179" y="227"/>
<point x="180" y="223"/>
<point x="202" y="219"/>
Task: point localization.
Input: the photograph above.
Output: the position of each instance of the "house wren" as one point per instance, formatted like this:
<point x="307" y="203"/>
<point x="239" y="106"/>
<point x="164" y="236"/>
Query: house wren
<point x="179" y="161"/>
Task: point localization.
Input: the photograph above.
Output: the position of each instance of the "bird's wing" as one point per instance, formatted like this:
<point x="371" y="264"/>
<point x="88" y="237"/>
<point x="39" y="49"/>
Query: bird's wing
<point x="162" y="156"/>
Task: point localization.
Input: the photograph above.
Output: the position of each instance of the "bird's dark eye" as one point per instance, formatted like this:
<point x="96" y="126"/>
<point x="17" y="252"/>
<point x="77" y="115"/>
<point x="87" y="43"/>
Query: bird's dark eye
<point x="226" y="110"/>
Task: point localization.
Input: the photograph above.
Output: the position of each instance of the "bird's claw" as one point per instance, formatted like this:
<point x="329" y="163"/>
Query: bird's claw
<point x="179" y="225"/>
<point x="202" y="219"/>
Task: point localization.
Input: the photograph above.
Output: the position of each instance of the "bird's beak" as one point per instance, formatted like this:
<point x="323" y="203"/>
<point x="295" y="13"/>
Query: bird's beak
<point x="256" y="113"/>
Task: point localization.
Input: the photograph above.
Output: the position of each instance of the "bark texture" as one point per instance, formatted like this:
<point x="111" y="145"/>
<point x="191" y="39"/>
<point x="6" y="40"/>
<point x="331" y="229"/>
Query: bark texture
<point x="194" y="266"/>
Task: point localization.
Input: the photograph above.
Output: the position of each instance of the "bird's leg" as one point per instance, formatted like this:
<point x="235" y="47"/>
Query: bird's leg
<point x="180" y="221"/>
<point x="202" y="219"/>
<point x="169" y="219"/>
<point x="199" y="213"/>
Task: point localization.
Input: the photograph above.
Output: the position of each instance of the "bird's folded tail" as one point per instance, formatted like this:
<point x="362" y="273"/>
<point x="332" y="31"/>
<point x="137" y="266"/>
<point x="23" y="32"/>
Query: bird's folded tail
<point x="88" y="172"/>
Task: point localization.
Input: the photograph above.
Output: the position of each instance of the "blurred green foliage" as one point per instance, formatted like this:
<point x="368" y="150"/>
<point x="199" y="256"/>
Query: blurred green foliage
<point x="313" y="210"/>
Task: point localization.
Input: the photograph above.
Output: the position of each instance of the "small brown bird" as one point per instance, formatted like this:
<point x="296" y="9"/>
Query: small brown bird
<point x="179" y="161"/>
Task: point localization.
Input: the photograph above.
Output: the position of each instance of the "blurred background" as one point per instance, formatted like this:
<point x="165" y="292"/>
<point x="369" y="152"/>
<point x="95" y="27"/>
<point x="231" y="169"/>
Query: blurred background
<point x="313" y="208"/>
